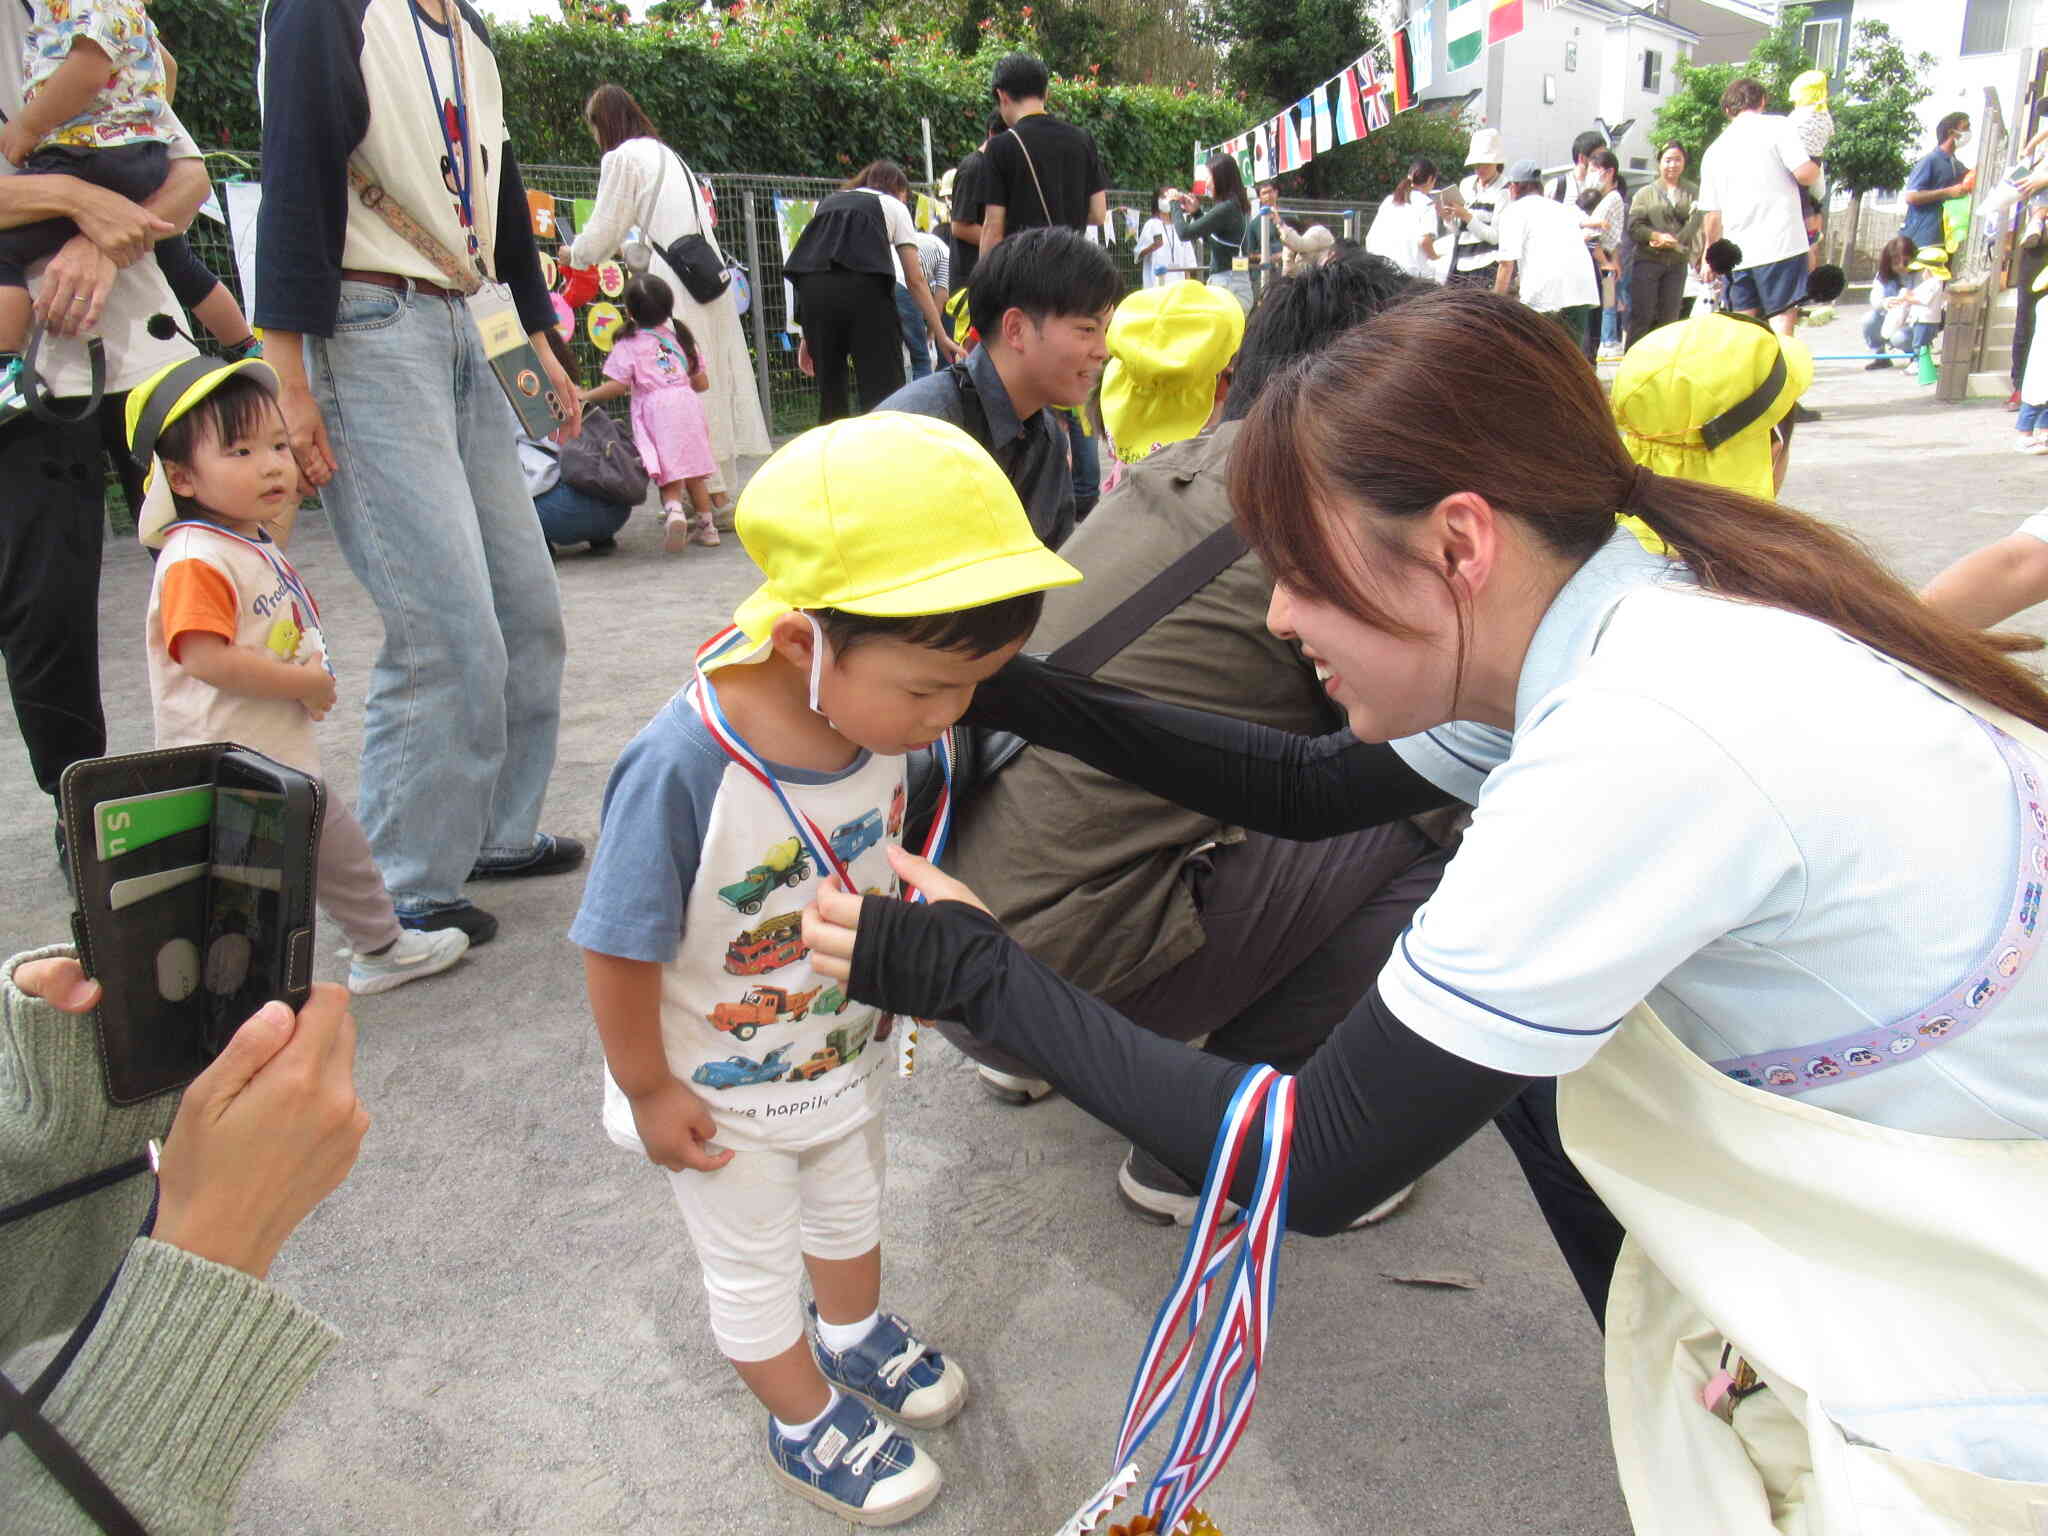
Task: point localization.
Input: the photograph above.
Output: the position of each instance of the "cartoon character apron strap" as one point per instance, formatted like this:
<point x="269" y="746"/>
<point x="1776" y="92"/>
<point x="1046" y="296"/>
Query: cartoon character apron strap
<point x="1989" y="980"/>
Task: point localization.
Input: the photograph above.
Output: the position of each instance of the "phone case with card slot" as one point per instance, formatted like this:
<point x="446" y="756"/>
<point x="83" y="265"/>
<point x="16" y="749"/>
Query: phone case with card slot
<point x="141" y="923"/>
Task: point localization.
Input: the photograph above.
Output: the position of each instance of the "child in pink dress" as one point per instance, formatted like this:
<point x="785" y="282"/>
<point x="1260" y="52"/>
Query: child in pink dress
<point x="654" y="358"/>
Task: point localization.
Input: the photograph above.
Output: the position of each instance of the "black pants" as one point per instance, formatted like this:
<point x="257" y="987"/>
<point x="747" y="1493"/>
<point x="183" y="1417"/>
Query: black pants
<point x="1656" y="291"/>
<point x="1586" y="1231"/>
<point x="2026" y="267"/>
<point x="1294" y="934"/>
<point x="135" y="171"/>
<point x="850" y="315"/>
<point x="52" y="532"/>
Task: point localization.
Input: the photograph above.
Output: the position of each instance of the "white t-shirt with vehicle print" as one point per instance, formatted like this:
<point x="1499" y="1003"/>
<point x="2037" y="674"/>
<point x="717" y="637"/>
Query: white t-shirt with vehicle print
<point x="699" y="870"/>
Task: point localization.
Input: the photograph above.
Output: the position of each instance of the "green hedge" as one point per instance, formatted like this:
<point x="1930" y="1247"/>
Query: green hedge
<point x="758" y="92"/>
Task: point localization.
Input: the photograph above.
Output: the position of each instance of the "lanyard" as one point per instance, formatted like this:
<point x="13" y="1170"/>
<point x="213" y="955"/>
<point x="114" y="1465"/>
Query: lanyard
<point x="459" y="167"/>
<point x="727" y="645"/>
<point x="278" y="563"/>
<point x="1219" y="1404"/>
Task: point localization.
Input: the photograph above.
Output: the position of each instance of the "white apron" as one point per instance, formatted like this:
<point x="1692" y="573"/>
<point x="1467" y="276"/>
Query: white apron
<point x="1889" y="1287"/>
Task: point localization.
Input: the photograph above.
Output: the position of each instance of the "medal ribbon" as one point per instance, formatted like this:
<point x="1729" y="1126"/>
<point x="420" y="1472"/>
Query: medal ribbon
<point x="727" y="645"/>
<point x="1248" y="1247"/>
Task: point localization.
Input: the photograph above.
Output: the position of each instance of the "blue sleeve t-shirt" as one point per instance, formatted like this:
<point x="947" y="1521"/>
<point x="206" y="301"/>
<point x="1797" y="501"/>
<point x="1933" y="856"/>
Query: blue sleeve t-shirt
<point x="1937" y="168"/>
<point x="699" y="870"/>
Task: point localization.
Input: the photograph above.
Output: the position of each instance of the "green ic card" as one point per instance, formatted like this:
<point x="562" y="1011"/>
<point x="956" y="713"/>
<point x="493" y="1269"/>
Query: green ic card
<point x="122" y="826"/>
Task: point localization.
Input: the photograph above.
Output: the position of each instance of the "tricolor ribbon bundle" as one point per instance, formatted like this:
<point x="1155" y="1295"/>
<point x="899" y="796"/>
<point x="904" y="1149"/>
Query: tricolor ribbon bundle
<point x="727" y="645"/>
<point x="1247" y="1249"/>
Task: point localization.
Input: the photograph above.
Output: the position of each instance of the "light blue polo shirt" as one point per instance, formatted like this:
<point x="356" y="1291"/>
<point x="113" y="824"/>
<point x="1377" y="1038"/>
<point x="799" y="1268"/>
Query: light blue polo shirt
<point x="1770" y="833"/>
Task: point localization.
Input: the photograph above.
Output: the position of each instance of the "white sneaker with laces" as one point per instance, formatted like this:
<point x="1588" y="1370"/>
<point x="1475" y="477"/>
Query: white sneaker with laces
<point x="2029" y="443"/>
<point x="418" y="952"/>
<point x="1012" y="1089"/>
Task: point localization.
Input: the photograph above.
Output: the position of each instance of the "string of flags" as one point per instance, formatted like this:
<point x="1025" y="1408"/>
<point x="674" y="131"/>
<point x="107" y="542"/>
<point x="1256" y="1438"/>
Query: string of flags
<point x="1358" y="100"/>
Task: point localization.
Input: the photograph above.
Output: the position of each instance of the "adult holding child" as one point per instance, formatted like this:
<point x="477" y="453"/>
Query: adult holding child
<point x="1779" y="1127"/>
<point x="397" y="416"/>
<point x="643" y="184"/>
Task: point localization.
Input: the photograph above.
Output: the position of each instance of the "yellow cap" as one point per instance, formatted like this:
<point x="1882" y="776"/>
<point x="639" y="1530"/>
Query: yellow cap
<point x="1810" y="89"/>
<point x="1167" y="347"/>
<point x="1698" y="399"/>
<point x="1930" y="258"/>
<point x="888" y="515"/>
<point x="160" y="400"/>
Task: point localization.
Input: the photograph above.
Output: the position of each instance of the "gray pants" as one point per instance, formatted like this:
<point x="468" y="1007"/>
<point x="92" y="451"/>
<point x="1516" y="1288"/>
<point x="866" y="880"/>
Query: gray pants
<point x="350" y="889"/>
<point x="1294" y="934"/>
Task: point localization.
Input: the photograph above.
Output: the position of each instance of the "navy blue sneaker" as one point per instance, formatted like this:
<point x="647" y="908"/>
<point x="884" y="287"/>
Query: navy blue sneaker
<point x="892" y="1371"/>
<point x="857" y="1466"/>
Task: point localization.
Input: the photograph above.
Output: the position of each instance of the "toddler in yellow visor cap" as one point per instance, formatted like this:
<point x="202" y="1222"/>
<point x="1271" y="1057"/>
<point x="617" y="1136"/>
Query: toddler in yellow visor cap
<point x="1699" y="398"/>
<point x="1168" y="350"/>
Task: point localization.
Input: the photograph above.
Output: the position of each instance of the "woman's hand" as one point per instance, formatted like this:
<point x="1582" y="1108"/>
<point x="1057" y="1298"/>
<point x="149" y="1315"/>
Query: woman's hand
<point x="832" y="922"/>
<point x="74" y="288"/>
<point x="59" y="981"/>
<point x="562" y="258"/>
<point x="263" y="1135"/>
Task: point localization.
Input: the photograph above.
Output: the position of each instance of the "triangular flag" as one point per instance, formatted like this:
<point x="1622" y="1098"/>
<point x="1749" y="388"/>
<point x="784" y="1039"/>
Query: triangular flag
<point x="1421" y="50"/>
<point x="1504" y="20"/>
<point x="1404" y="70"/>
<point x="1464" y="32"/>
<point x="1372" y="91"/>
<point x="1350" y="109"/>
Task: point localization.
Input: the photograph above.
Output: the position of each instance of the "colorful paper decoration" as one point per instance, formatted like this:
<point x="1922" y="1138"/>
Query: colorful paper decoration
<point x="540" y="211"/>
<point x="565" y="317"/>
<point x="611" y="279"/>
<point x="550" y="274"/>
<point x="602" y="324"/>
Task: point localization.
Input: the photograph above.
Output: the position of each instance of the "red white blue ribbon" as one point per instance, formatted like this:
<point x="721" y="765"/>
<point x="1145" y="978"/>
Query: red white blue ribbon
<point x="267" y="549"/>
<point x="729" y="644"/>
<point x="1226" y="1383"/>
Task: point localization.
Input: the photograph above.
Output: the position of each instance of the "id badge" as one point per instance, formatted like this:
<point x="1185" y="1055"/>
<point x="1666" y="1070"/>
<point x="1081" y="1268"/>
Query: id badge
<point x="516" y="363"/>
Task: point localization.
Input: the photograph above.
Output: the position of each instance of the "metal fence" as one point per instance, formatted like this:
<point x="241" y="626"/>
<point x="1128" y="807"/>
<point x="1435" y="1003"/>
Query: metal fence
<point x="748" y="228"/>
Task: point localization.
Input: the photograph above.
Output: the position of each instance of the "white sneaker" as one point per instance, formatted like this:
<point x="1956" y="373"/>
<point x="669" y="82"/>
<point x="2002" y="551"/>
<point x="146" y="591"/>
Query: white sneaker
<point x="675" y="531"/>
<point x="1011" y="1089"/>
<point x="418" y="952"/>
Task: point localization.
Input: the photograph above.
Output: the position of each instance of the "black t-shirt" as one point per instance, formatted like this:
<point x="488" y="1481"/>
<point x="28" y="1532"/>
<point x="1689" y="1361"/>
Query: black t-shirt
<point x="1069" y="174"/>
<point x="969" y="189"/>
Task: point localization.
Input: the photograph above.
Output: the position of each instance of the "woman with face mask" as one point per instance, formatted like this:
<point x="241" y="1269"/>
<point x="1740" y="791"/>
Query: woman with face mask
<point x="1163" y="256"/>
<point x="1690" y="898"/>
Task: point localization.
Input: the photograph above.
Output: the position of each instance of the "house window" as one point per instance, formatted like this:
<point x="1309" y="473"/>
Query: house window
<point x="1821" y="42"/>
<point x="1549" y="90"/>
<point x="1985" y="23"/>
<point x="1638" y="163"/>
<point x="1653" y="70"/>
<point x="1571" y="57"/>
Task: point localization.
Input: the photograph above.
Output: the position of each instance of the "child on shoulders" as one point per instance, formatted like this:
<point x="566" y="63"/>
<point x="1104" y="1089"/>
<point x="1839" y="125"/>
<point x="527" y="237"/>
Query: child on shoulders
<point x="235" y="650"/>
<point x="730" y="1063"/>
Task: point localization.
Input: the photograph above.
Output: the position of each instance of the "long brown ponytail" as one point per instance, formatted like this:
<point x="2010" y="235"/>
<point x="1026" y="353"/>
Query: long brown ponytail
<point x="1460" y="390"/>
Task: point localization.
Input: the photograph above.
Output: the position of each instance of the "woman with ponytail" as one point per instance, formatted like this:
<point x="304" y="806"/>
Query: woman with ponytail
<point x="1756" y="868"/>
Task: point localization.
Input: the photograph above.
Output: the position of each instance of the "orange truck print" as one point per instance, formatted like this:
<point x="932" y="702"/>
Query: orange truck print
<point x="761" y="1005"/>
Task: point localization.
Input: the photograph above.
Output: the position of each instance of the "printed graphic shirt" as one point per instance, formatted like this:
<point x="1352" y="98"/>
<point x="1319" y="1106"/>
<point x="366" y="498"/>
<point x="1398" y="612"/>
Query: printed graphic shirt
<point x="648" y="360"/>
<point x="213" y="583"/>
<point x="699" y="870"/>
<point x="130" y="108"/>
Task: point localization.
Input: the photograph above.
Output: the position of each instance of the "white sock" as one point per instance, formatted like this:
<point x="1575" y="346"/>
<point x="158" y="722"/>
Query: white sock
<point x="803" y="1431"/>
<point x="840" y="1337"/>
<point x="672" y="508"/>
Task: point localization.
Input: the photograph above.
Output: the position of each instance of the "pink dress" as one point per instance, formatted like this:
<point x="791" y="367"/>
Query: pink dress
<point x="668" y="419"/>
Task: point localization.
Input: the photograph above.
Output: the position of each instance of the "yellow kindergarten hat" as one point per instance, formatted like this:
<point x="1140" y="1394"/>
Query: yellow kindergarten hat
<point x="1167" y="348"/>
<point x="1698" y="399"/>
<point x="889" y="515"/>
<point x="160" y="400"/>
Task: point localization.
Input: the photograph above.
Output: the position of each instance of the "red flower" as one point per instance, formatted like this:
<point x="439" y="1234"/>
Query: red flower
<point x="1027" y="12"/>
<point x="1094" y="69"/>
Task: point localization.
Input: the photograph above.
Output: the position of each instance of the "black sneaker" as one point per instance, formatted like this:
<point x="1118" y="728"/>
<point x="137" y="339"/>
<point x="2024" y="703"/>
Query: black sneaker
<point x="1162" y="1196"/>
<point x="1804" y="413"/>
<point x="466" y="915"/>
<point x="1873" y="366"/>
<point x="602" y="547"/>
<point x="550" y="856"/>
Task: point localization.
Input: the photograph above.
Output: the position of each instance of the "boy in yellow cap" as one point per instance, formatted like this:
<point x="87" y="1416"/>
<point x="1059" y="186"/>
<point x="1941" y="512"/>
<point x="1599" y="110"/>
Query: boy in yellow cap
<point x="1170" y="351"/>
<point x="235" y="652"/>
<point x="887" y="598"/>
<point x="1711" y="399"/>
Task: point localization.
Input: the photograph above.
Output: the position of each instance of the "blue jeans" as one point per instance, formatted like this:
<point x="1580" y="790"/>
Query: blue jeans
<point x="2030" y="417"/>
<point x="1873" y="333"/>
<point x="915" y="332"/>
<point x="431" y="511"/>
<point x="1087" y="464"/>
<point x="570" y="516"/>
<point x="1610" y="327"/>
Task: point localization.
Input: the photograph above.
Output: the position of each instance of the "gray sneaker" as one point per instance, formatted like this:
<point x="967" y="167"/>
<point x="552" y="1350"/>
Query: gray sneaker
<point x="1010" y="1088"/>
<point x="417" y="953"/>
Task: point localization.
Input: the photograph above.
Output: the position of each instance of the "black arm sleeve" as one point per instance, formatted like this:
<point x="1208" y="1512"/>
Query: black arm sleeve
<point x="316" y="109"/>
<point x="1301" y="787"/>
<point x="518" y="259"/>
<point x="1376" y="1106"/>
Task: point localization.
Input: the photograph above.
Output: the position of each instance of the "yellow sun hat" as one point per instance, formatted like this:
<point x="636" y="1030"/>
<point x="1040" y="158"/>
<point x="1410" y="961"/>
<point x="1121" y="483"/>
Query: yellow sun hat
<point x="1698" y="399"/>
<point x="1810" y="88"/>
<point x="888" y="515"/>
<point x="160" y="400"/>
<point x="1167" y="348"/>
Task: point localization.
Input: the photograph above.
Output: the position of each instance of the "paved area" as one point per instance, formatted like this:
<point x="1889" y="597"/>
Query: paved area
<point x="526" y="1347"/>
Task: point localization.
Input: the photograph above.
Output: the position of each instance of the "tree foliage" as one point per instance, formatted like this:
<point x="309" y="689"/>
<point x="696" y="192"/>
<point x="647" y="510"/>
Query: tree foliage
<point x="1877" y="125"/>
<point x="1692" y="114"/>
